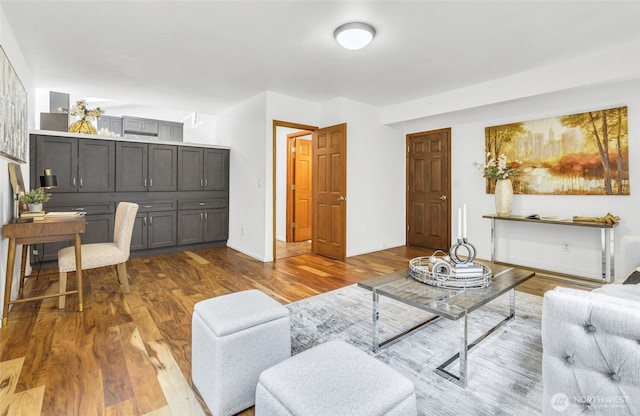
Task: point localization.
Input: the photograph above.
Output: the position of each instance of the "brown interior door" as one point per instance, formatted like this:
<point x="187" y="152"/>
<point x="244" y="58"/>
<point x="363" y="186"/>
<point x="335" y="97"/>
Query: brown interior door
<point x="329" y="167"/>
<point x="302" y="195"/>
<point x="428" y="189"/>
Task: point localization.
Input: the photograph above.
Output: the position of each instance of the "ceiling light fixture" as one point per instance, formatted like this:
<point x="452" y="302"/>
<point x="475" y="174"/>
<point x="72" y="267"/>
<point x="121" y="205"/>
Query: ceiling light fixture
<point x="354" y="35"/>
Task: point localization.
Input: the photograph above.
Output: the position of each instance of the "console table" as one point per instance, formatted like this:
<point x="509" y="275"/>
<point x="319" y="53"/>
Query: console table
<point x="607" y="274"/>
<point x="25" y="232"/>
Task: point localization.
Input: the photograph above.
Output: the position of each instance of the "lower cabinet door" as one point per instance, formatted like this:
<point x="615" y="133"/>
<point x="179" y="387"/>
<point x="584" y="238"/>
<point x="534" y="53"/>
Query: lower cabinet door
<point x="216" y="224"/>
<point x="139" y="238"/>
<point x="162" y="229"/>
<point x="190" y="226"/>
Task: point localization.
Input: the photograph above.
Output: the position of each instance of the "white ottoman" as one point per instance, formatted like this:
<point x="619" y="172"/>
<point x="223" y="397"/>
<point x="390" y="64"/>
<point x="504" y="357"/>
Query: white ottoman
<point x="234" y="338"/>
<point x="334" y="378"/>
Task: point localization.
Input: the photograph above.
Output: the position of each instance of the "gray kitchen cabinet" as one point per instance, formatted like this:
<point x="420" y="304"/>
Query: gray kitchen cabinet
<point x="203" y="169"/>
<point x="81" y="165"/>
<point x="202" y="220"/>
<point x="137" y="125"/>
<point x="143" y="172"/>
<point x="111" y="123"/>
<point x="144" y="167"/>
<point x="154" y="230"/>
<point x="170" y="131"/>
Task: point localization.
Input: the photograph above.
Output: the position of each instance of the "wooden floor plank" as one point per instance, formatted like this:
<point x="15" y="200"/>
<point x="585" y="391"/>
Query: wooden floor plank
<point x="130" y="354"/>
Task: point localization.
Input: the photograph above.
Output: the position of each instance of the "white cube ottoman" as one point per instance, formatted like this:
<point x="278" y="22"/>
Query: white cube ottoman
<point x="234" y="338"/>
<point x="334" y="378"/>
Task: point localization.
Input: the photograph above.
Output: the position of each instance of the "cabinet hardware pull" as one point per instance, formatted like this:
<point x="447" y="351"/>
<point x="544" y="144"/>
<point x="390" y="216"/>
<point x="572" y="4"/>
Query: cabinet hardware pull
<point x="144" y="221"/>
<point x="200" y="182"/>
<point x="81" y="183"/>
<point x="147" y="206"/>
<point x="74" y="181"/>
<point x="202" y="204"/>
<point x="145" y="182"/>
<point x="206" y="216"/>
<point x="150" y="182"/>
<point x="79" y="209"/>
<point x="206" y="182"/>
<point x="150" y="220"/>
<point x="201" y="217"/>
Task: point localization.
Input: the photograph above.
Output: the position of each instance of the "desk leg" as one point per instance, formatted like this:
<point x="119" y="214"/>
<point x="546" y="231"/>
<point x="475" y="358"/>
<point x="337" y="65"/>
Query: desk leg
<point x="11" y="258"/>
<point x="78" y="246"/>
<point x="23" y="267"/>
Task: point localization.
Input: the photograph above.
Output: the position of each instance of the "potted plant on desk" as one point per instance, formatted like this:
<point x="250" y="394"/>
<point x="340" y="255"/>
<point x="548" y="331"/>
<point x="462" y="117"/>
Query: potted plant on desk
<point x="35" y="198"/>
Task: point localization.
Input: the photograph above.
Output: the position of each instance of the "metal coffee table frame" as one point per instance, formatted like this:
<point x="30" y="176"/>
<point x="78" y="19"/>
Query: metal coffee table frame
<point x="442" y="303"/>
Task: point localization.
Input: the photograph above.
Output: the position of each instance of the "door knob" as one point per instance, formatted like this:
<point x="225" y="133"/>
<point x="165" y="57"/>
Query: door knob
<point x="342" y="199"/>
<point x="443" y="197"/>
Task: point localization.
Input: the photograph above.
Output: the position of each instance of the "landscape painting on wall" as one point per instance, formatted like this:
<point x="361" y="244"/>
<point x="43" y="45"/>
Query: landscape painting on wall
<point x="577" y="154"/>
<point x="13" y="112"/>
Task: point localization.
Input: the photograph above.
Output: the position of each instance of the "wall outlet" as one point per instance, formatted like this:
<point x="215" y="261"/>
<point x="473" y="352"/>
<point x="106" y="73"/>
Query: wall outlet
<point x="565" y="247"/>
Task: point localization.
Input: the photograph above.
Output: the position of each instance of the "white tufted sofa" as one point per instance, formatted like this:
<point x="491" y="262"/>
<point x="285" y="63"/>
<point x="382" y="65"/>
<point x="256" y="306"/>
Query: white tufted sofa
<point x="591" y="351"/>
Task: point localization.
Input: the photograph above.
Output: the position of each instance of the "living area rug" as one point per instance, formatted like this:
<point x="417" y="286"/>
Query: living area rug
<point x="504" y="370"/>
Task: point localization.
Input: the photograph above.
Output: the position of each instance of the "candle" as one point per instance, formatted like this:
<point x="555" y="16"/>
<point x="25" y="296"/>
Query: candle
<point x="464" y="220"/>
<point x="459" y="224"/>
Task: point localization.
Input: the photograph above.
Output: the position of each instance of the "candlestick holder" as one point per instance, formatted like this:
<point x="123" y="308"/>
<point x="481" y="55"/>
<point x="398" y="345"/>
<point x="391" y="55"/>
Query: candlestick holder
<point x="470" y="249"/>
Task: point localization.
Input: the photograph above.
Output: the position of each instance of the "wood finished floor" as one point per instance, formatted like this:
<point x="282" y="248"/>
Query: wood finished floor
<point x="131" y="354"/>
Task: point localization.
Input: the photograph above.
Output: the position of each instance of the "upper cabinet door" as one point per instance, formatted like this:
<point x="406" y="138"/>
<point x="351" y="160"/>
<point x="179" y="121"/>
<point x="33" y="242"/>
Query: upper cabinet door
<point x="132" y="167"/>
<point x="216" y="169"/>
<point x="60" y="154"/>
<point x="163" y="172"/>
<point x="190" y="169"/>
<point x="96" y="165"/>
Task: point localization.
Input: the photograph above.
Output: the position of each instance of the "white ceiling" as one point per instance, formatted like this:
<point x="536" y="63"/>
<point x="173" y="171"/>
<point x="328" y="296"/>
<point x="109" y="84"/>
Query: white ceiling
<point x="206" y="56"/>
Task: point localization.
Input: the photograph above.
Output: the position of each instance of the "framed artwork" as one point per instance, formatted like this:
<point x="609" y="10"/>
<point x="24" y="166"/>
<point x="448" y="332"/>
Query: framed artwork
<point x="13" y="113"/>
<point x="576" y="154"/>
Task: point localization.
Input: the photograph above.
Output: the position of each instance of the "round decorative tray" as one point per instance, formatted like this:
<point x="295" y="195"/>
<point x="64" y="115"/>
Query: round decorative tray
<point x="436" y="271"/>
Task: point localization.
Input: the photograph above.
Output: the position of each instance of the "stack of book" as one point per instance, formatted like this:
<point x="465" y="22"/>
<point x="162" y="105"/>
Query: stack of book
<point x="468" y="269"/>
<point x="36" y="216"/>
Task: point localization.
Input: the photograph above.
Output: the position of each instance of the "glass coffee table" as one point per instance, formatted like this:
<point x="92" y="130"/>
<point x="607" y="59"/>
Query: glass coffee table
<point x="453" y="304"/>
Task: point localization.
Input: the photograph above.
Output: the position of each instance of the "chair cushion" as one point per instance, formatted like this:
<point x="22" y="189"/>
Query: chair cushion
<point x="93" y="255"/>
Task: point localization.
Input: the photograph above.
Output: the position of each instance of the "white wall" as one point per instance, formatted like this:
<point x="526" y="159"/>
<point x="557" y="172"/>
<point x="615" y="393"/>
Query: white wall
<point x="12" y="50"/>
<point x="539" y="245"/>
<point x="243" y="128"/>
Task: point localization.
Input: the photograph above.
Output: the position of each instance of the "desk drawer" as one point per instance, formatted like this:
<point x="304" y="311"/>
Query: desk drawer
<point x="202" y="203"/>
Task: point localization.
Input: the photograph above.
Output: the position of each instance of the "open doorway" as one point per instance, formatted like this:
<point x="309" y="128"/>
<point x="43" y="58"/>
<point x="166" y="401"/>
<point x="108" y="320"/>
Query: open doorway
<point x="292" y="187"/>
<point x="329" y="187"/>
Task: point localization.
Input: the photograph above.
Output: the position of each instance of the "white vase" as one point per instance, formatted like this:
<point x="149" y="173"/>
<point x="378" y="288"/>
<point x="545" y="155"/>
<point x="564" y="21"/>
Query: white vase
<point x="504" y="197"/>
<point x="35" y="207"/>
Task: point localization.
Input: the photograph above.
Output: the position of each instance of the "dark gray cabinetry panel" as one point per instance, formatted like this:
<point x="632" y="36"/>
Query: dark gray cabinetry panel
<point x="96" y="166"/>
<point x="81" y="165"/>
<point x="155" y="225"/>
<point x="209" y="222"/>
<point x="163" y="167"/>
<point x="60" y="154"/>
<point x="145" y="167"/>
<point x="168" y="219"/>
<point x="203" y="169"/>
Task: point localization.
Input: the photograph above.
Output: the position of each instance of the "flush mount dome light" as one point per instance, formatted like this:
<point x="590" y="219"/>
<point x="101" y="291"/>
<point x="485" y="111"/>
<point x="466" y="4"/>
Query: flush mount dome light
<point x="355" y="35"/>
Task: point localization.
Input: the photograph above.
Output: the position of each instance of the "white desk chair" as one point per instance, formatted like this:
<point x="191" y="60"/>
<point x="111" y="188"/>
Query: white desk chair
<point x="103" y="254"/>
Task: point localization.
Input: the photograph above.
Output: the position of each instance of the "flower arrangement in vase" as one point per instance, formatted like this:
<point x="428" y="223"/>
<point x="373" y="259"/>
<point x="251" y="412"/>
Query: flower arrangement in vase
<point x="35" y="198"/>
<point x="501" y="171"/>
<point x="83" y="124"/>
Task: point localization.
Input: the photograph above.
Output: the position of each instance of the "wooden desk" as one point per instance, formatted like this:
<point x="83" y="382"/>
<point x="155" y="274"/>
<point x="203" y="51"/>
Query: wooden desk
<point x="27" y="232"/>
